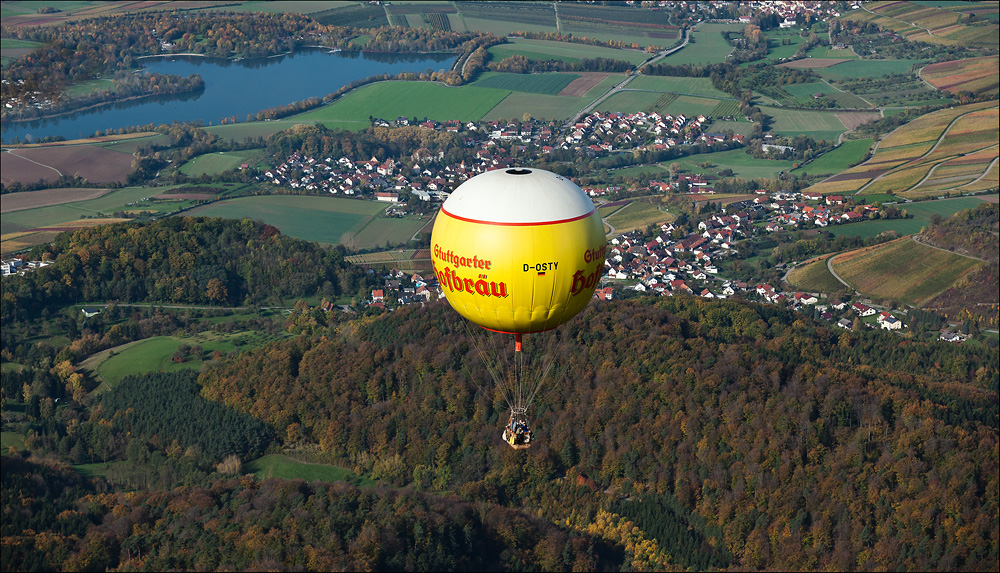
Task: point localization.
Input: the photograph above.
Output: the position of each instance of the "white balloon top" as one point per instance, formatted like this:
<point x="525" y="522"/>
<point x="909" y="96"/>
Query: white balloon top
<point x="518" y="196"/>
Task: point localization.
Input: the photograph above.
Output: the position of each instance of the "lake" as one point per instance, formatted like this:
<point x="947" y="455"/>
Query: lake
<point x="232" y="89"/>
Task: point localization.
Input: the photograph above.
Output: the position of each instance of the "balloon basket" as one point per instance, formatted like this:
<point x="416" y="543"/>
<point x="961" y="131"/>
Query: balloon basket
<point x="517" y="432"/>
<point x="513" y="442"/>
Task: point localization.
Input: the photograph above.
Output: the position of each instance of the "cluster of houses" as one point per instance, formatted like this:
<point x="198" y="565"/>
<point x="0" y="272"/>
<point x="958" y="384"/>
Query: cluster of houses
<point x="792" y="209"/>
<point x="790" y="10"/>
<point x="616" y="131"/>
<point x="20" y="266"/>
<point x="784" y="208"/>
<point x="429" y="179"/>
<point x="883" y="319"/>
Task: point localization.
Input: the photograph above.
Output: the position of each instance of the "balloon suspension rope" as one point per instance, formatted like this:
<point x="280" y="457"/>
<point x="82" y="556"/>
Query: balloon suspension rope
<point x="518" y="370"/>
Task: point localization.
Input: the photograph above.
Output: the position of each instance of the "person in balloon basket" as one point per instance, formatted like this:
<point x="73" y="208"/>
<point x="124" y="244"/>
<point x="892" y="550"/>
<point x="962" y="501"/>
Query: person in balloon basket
<point x="518" y="433"/>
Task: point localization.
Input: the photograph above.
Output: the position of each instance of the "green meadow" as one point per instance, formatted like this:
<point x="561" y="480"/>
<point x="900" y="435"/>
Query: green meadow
<point x="391" y="99"/>
<point x="545" y="83"/>
<point x="212" y="163"/>
<point x="156" y="354"/>
<point x="868" y="68"/>
<point x="563" y="51"/>
<point x="709" y="46"/>
<point x="690" y="86"/>
<point x="320" y="219"/>
<point x="817" y="124"/>
<point x="742" y="164"/>
<point x="279" y="466"/>
<point x="847" y="154"/>
<point x="921" y="212"/>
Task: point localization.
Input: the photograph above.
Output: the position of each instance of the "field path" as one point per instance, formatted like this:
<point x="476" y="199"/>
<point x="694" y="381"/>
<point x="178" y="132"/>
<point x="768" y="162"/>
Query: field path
<point x="914" y="24"/>
<point x="829" y="267"/>
<point x="911" y="162"/>
<point x="11" y="151"/>
<point x="985" y="173"/>
<point x="921" y="76"/>
<point x="918" y="241"/>
<point x="957" y="177"/>
<point x="621" y="85"/>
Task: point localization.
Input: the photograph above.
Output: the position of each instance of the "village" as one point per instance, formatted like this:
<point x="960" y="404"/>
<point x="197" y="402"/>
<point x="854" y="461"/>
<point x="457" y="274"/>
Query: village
<point x="675" y="260"/>
<point x="428" y="179"/>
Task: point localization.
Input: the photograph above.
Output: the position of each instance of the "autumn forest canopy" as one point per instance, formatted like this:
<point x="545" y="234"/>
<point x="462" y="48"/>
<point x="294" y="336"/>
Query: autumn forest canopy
<point x="732" y="434"/>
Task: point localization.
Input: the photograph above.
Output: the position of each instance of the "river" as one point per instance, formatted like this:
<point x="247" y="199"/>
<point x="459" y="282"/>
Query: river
<point x="232" y="89"/>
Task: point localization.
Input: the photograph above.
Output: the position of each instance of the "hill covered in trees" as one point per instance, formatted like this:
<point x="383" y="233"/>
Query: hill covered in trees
<point x="794" y="445"/>
<point x="188" y="260"/>
<point x="975" y="233"/>
<point x="673" y="433"/>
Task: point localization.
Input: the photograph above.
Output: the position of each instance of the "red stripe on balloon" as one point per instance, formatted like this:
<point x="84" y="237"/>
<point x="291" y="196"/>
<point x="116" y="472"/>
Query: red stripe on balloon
<point x="467" y="220"/>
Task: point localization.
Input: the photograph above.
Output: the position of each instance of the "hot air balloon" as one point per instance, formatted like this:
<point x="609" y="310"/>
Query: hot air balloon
<point x="518" y="251"/>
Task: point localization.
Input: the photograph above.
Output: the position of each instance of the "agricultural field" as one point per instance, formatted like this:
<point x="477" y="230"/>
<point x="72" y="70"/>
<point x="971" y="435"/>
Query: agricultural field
<point x="977" y="75"/>
<point x="73" y="213"/>
<point x="902" y="270"/>
<point x="869" y="68"/>
<point x="388" y="231"/>
<point x="840" y="159"/>
<point x="539" y="106"/>
<point x="543" y="83"/>
<point x="406" y="260"/>
<point x="283" y="467"/>
<point x="613" y="21"/>
<point x="212" y="163"/>
<point x="689" y="106"/>
<point x="709" y="47"/>
<point x="91" y="162"/>
<point x="252" y="129"/>
<point x="630" y="101"/>
<point x="737" y="127"/>
<point x="392" y="99"/>
<point x="34" y="199"/>
<point x="924" y="23"/>
<point x="989" y="181"/>
<point x="966" y="138"/>
<point x="814" y="276"/>
<point x="591" y="84"/>
<point x="921" y="213"/>
<point x="638" y="215"/>
<point x="327" y="220"/>
<point x="816" y="124"/>
<point x="678" y="85"/>
<point x="908" y="147"/>
<point x="563" y="51"/>
<point x="742" y="164"/>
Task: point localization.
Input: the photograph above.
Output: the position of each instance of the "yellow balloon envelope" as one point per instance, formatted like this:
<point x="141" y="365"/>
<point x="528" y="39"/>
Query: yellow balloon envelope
<point x="518" y="250"/>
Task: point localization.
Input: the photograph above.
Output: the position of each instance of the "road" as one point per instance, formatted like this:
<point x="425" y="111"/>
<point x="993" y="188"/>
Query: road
<point x="829" y="267"/>
<point x="621" y="85"/>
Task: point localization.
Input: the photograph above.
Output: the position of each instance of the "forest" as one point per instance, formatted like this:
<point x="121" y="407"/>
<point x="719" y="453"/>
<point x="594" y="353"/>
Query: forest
<point x="191" y="260"/>
<point x="740" y="419"/>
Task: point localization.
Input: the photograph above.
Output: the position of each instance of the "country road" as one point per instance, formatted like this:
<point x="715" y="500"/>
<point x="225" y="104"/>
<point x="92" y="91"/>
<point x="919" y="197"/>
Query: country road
<point x="621" y="85"/>
<point x="829" y="267"/>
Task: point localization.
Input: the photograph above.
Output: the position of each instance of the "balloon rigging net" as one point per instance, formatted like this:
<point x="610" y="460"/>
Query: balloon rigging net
<point x="514" y="378"/>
